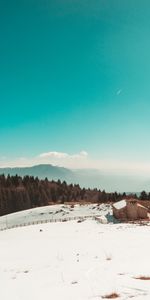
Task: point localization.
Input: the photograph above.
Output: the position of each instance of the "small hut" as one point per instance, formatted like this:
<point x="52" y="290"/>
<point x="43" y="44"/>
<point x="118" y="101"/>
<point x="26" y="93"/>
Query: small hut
<point x="129" y="209"/>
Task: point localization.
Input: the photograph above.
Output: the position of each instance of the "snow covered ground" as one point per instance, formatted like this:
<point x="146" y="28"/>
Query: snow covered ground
<point x="74" y="261"/>
<point x="54" y="212"/>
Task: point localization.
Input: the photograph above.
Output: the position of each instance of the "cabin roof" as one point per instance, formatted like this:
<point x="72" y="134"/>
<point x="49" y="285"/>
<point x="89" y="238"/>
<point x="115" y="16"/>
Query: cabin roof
<point x="120" y="204"/>
<point x="140" y="205"/>
<point x="123" y="203"/>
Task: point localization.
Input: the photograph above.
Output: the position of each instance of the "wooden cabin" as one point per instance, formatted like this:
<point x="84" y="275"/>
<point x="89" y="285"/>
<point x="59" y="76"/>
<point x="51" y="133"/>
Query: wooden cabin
<point x="129" y="209"/>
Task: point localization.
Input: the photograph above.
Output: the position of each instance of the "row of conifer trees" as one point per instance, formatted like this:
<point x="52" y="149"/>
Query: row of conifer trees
<point x="18" y="193"/>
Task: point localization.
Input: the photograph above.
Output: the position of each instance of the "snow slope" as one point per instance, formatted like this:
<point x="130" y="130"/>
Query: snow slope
<point x="74" y="261"/>
<point x="53" y="212"/>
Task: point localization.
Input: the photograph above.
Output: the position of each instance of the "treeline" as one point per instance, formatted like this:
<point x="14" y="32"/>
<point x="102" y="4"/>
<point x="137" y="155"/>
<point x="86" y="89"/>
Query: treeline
<point x="18" y="193"/>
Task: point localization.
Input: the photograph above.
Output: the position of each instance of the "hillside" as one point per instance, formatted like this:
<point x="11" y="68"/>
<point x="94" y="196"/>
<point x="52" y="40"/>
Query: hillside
<point x="55" y="213"/>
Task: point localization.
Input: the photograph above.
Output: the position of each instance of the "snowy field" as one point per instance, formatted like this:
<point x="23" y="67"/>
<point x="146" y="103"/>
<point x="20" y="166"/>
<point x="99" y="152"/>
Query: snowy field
<point x="75" y="261"/>
<point x="54" y="212"/>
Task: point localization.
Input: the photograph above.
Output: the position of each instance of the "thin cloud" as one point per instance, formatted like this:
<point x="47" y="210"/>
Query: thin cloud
<point x="60" y="155"/>
<point x="53" y="154"/>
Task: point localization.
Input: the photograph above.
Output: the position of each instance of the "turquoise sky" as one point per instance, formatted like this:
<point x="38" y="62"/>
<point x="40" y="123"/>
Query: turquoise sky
<point x="75" y="75"/>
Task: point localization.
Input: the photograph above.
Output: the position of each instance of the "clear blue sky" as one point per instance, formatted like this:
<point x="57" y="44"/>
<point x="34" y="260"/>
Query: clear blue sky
<point x="75" y="75"/>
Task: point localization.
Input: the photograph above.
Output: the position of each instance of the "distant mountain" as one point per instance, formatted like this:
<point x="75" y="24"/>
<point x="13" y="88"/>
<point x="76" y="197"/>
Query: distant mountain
<point x="87" y="178"/>
<point x="41" y="171"/>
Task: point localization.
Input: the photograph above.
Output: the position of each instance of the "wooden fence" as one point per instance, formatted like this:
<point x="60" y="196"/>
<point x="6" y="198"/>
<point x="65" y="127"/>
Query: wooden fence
<point x="79" y="218"/>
